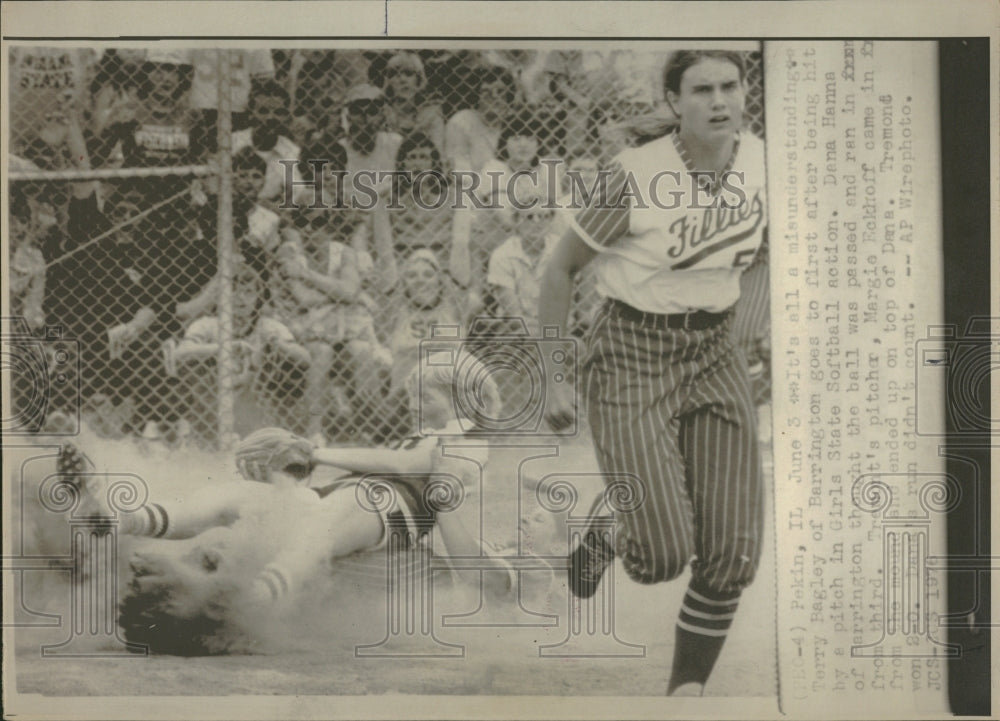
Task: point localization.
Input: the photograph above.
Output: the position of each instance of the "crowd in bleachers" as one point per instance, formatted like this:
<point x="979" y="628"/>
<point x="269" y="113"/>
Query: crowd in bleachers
<point x="329" y="303"/>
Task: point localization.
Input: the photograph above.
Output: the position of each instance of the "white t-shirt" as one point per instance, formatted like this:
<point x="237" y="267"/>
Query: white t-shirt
<point x="683" y="256"/>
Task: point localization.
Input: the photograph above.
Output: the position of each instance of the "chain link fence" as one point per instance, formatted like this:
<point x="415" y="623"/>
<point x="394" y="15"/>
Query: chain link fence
<point x="182" y="217"/>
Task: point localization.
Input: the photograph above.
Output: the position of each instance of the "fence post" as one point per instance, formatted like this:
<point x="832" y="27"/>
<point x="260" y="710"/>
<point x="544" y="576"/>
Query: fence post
<point x="226" y="249"/>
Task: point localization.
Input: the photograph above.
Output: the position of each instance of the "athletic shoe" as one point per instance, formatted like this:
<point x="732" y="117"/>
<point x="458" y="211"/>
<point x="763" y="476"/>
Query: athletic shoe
<point x="78" y="470"/>
<point x="591" y="558"/>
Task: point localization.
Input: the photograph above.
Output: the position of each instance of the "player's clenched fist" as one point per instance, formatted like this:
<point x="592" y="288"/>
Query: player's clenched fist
<point x="271" y="449"/>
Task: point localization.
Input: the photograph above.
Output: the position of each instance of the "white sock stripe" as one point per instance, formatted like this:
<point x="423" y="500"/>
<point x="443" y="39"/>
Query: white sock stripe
<point x="708" y="616"/>
<point x="703" y="631"/>
<point x="698" y="597"/>
<point x="270" y="586"/>
<point x="161" y="530"/>
<point x="278" y="575"/>
<point x="149" y="527"/>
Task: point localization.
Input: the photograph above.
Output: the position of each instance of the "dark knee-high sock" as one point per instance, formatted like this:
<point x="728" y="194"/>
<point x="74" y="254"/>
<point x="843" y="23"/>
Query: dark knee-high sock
<point x="702" y="625"/>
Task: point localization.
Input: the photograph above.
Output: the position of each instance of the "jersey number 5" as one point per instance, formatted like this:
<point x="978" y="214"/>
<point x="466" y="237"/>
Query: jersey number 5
<point x="744" y="258"/>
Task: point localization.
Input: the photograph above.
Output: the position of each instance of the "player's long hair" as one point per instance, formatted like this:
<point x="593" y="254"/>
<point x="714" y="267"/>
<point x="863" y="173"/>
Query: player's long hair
<point x="681" y="60"/>
<point x="146" y="618"/>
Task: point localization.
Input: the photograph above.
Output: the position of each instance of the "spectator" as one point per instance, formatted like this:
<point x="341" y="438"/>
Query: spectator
<point x="471" y="135"/>
<point x="268" y="136"/>
<point x="47" y="84"/>
<point x="450" y="76"/>
<point x="471" y="138"/>
<point x="265" y="357"/>
<point x="409" y="110"/>
<point x="27" y="264"/>
<point x="100" y="289"/>
<point x="256" y="229"/>
<point x="315" y="292"/>
<point x="370" y="151"/>
<point x="318" y="83"/>
<point x="527" y="67"/>
<point x="114" y="106"/>
<point x="516" y="267"/>
<point x="517" y="169"/>
<point x="424" y="220"/>
<point x="427" y="298"/>
<point x="112" y="314"/>
<point x="160" y="133"/>
<point x="370" y="148"/>
<point x="515" y="177"/>
<point x="327" y="158"/>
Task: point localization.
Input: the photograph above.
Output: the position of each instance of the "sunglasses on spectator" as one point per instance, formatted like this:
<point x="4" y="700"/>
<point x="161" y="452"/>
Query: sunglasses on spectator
<point x="370" y="108"/>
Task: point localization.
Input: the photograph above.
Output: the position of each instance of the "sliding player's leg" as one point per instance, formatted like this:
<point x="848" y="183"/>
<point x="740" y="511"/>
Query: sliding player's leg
<point x="169" y="516"/>
<point x="178" y="517"/>
<point x="335" y="526"/>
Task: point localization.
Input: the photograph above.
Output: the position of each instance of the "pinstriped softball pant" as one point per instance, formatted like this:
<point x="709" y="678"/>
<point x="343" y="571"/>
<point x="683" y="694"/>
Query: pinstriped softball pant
<point x="673" y="407"/>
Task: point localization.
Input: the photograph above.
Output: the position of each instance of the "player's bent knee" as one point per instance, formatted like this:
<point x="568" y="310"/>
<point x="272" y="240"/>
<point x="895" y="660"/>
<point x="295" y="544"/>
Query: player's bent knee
<point x="644" y="566"/>
<point x="731" y="572"/>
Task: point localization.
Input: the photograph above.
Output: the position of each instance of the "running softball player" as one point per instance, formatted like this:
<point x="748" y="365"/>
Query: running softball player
<point x="667" y="393"/>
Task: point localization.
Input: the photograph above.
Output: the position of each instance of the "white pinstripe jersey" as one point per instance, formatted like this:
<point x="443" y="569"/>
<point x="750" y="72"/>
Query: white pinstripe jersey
<point x="668" y="245"/>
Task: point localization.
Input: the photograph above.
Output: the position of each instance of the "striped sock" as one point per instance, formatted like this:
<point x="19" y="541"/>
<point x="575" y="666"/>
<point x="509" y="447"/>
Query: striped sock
<point x="151" y="521"/>
<point x="272" y="584"/>
<point x="702" y="626"/>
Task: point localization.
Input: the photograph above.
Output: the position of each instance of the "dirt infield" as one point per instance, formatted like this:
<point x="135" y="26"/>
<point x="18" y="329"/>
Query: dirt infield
<point x="313" y="651"/>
